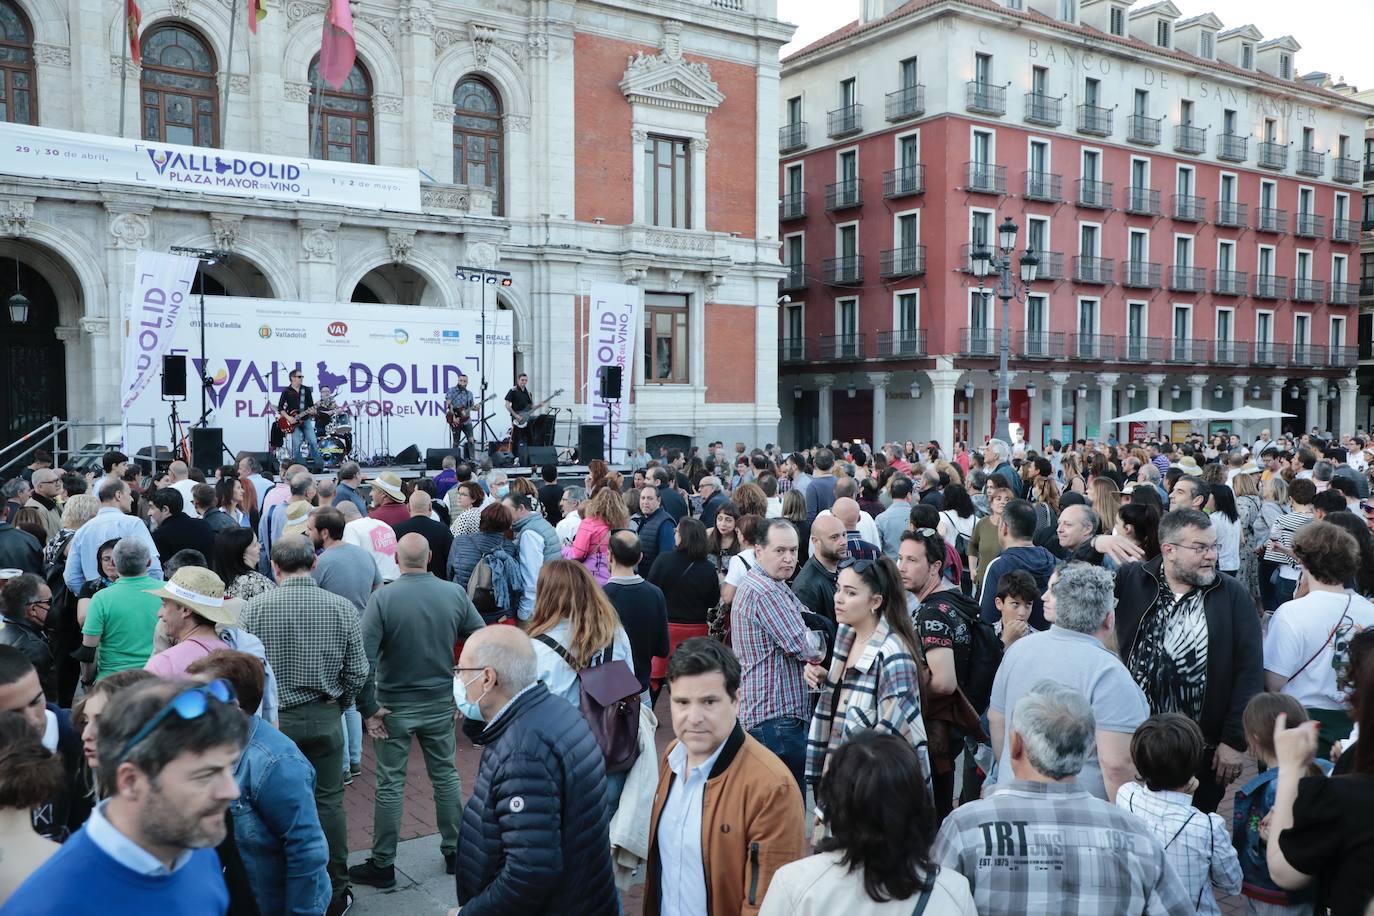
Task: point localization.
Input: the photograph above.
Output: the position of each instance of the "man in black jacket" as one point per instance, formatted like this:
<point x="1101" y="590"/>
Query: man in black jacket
<point x="815" y="584"/>
<point x="1190" y="637"/>
<point x="25" y="601"/>
<point x="655" y="528"/>
<point x="20" y="550"/>
<point x="535" y="835"/>
<point x="674" y="503"/>
<point x="175" y="530"/>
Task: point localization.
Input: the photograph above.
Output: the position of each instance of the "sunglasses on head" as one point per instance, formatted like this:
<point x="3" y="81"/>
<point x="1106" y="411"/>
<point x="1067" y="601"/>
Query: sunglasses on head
<point x="187" y="705"/>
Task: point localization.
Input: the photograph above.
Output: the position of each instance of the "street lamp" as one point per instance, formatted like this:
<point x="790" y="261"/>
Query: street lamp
<point x="969" y="389"/>
<point x="18" y="303"/>
<point x="915" y="389"/>
<point x="1030" y="389"/>
<point x="984" y="262"/>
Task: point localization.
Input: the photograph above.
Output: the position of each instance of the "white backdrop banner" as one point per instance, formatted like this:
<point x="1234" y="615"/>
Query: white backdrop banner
<point x="389" y="366"/>
<point x="162" y="288"/>
<point x="43" y="152"/>
<point x="614" y="332"/>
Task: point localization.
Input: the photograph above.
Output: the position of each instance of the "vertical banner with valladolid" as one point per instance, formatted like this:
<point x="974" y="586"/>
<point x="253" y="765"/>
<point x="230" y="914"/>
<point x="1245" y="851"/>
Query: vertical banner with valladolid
<point x="612" y="332"/>
<point x="161" y="292"/>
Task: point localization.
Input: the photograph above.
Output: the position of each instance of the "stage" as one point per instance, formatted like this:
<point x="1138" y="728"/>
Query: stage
<point x="574" y="474"/>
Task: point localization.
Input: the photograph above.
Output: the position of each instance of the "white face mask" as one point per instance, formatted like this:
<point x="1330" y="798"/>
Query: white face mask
<point x="470" y="708"/>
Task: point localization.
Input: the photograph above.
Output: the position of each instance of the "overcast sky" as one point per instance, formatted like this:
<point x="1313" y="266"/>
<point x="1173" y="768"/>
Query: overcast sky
<point x="1335" y="34"/>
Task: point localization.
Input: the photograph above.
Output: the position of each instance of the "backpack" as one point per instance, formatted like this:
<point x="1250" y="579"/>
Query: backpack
<point x="960" y="539"/>
<point x="493" y="568"/>
<point x="610" y="697"/>
<point x="985" y="655"/>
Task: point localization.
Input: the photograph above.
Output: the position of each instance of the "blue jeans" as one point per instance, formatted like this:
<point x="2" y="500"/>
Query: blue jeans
<point x="786" y="737"/>
<point x="353" y="736"/>
<point x="1283" y="589"/>
<point x="305" y="433"/>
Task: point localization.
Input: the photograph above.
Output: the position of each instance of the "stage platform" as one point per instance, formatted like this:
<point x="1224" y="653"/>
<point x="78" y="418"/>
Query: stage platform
<point x="567" y="473"/>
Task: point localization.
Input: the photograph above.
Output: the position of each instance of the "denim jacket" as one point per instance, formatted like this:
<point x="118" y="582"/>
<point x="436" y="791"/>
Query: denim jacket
<point x="1253" y="802"/>
<point x="276" y="825"/>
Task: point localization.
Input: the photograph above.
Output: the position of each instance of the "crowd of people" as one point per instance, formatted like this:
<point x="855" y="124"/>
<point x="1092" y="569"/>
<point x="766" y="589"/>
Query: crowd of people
<point x="899" y="679"/>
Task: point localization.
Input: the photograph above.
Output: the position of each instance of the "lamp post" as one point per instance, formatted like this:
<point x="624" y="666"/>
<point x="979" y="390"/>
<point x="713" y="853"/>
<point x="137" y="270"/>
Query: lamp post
<point x="984" y="262"/>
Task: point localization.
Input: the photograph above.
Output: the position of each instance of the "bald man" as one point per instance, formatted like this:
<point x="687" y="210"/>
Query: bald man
<point x="847" y="511"/>
<point x="421" y="522"/>
<point x="409" y="630"/>
<point x="180" y="475"/>
<point x="815" y="584"/>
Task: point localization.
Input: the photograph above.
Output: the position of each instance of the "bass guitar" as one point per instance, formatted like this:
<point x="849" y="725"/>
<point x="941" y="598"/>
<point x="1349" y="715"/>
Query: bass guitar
<point x="522" y="418"/>
<point x="287" y="421"/>
<point x="456" y="418"/>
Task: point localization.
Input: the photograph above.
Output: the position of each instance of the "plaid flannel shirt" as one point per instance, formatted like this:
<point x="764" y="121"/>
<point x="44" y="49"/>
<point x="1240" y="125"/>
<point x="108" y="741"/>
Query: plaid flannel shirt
<point x="313" y="639"/>
<point x="881" y="691"/>
<point x="859" y="549"/>
<point x="770" y="638"/>
<point x="1197" y="844"/>
<point x="1037" y="847"/>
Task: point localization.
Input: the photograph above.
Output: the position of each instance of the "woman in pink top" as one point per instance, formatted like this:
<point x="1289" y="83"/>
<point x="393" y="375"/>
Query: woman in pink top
<point x="603" y="513"/>
<point x="193" y="603"/>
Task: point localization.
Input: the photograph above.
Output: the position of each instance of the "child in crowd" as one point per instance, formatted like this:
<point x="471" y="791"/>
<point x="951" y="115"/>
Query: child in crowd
<point x="1250" y="822"/>
<point x="1016" y="594"/>
<point x="1166" y="750"/>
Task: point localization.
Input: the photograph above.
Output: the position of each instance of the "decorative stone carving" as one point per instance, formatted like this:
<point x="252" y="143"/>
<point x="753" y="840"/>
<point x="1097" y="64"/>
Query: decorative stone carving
<point x="119" y="67"/>
<point x="639" y="135"/>
<point x="52" y="55"/>
<point x="700" y="144"/>
<point x="67" y="333"/>
<point x="482" y="254"/>
<point x="129" y="230"/>
<point x="15" y="213"/>
<point x="238" y="84"/>
<point x="482" y="38"/>
<point x="714" y="281"/>
<point x="539" y="45"/>
<point x="417" y="18"/>
<point x="98" y="326"/>
<point x="390" y="104"/>
<point x="515" y="50"/>
<point x="300" y="9"/>
<point x="668" y="80"/>
<point x="446" y="38"/>
<point x="517" y="124"/>
<point x="634" y="274"/>
<point x="443" y="113"/>
<point x="449" y="198"/>
<point x="225" y="228"/>
<point x="181" y="8"/>
<point x="318" y="245"/>
<point x="296" y="92"/>
<point x="387" y="27"/>
<point x="674" y="279"/>
<point x="679" y="241"/>
<point x="400" y="241"/>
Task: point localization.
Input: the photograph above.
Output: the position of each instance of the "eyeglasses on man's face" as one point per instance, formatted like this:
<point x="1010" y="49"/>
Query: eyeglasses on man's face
<point x="1198" y="549"/>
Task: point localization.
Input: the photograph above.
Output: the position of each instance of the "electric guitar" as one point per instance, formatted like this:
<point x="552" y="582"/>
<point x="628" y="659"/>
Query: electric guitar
<point x="456" y="418"/>
<point x="287" y="421"/>
<point x="521" y="419"/>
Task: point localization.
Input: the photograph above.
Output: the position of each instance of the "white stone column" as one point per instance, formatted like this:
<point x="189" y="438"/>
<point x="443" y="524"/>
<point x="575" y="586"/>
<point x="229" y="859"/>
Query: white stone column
<point x="1196" y="383"/>
<point x="986" y="413"/>
<point x="879" y="381"/>
<point x="698" y="179"/>
<point x="825" y="385"/>
<point x="942" y="384"/>
<point x="638" y="177"/>
<point x="1106" y="404"/>
<point x="1276" y="401"/>
<point x="1350" y="390"/>
<point x="1316" y="390"/>
<point x="1057" y="382"/>
<point x="1238" y="384"/>
<point x="1035" y="434"/>
<point x="1153" y="383"/>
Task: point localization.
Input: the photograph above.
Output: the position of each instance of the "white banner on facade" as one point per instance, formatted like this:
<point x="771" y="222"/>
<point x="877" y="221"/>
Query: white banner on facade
<point x="160" y="295"/>
<point x="42" y="152"/>
<point x="389" y="368"/>
<point x="613" y="333"/>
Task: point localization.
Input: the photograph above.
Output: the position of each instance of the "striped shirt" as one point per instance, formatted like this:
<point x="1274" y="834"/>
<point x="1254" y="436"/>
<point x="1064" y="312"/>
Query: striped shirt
<point x="1283" y="531"/>
<point x="773" y="645"/>
<point x="1197" y="845"/>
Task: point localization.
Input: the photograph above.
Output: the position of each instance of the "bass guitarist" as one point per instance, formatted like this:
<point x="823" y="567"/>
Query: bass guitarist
<point x="297" y="404"/>
<point x="458" y="403"/>
<point x="519" y="400"/>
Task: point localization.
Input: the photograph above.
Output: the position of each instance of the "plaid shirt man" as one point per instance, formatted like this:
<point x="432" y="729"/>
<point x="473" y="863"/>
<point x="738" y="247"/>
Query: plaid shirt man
<point x="771" y="641"/>
<point x="1038" y="847"/>
<point x="313" y="640"/>
<point x="859" y="549"/>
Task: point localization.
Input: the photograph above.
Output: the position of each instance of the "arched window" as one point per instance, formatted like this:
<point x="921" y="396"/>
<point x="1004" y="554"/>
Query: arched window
<point x="477" y="152"/>
<point x="18" y="92"/>
<point x="341" y="128"/>
<point x="180" y="100"/>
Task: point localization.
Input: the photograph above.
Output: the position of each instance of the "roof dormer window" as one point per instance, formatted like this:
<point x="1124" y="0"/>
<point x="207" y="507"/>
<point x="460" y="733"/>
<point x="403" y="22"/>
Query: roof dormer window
<point x="1206" y="45"/>
<point x="1247" y="56"/>
<point x="1162" y="33"/>
<point x="1285" y="67"/>
<point x="1118" y="20"/>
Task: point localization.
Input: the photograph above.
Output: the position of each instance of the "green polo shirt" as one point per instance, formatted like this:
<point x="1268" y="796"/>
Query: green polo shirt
<point x="124" y="616"/>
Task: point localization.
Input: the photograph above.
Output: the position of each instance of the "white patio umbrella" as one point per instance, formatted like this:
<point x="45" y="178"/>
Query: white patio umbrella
<point x="1254" y="413"/>
<point x="1204" y="413"/>
<point x="1149" y="415"/>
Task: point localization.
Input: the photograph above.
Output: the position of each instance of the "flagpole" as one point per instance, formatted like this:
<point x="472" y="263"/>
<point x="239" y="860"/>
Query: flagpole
<point x="315" y="128"/>
<point x="228" y="71"/>
<point x="124" y="72"/>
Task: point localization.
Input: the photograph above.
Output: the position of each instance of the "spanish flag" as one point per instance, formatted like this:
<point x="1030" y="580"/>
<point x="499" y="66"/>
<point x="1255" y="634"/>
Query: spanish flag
<point x="132" y="18"/>
<point x="257" y="12"/>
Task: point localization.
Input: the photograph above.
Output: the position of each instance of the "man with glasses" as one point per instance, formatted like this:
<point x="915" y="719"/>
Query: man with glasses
<point x="1190" y="637"/>
<point x="298" y="403"/>
<point x="47" y="487"/>
<point x="26" y="601"/>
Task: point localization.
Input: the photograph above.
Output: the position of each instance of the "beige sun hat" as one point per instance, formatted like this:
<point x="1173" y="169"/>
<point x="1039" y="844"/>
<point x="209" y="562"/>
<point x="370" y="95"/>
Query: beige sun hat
<point x="200" y="590"/>
<point x="390" y="484"/>
<point x="1189" y="466"/>
<point x="296" y="516"/>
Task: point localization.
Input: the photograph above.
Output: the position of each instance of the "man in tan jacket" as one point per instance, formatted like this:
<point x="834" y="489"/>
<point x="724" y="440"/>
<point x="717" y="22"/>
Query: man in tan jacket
<point x="727" y="813"/>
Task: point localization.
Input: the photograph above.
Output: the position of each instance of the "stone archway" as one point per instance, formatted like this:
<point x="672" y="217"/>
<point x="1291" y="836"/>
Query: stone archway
<point x="32" y="357"/>
<point x="395" y="284"/>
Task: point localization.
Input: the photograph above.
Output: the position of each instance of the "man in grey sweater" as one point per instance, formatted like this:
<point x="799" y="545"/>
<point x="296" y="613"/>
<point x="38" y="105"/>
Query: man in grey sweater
<point x="409" y="630"/>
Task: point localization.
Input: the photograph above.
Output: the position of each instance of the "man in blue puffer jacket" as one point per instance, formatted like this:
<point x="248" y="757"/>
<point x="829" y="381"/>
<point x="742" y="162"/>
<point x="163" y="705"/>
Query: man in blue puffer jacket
<point x="535" y="837"/>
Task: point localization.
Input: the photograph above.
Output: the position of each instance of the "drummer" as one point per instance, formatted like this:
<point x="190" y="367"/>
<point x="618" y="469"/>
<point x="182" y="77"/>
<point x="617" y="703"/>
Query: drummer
<point x="327" y="408"/>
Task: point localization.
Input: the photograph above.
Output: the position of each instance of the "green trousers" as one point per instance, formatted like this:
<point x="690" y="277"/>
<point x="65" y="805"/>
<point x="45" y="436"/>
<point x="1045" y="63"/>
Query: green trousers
<point x="432" y="725"/>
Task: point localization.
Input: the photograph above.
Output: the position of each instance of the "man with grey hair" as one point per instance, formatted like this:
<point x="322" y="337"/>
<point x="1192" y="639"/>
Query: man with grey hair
<point x="113" y="521"/>
<point x="1043" y="843"/>
<point x="997" y="457"/>
<point x="47" y="486"/>
<point x="1078" y="605"/>
<point x="535" y="831"/>
<point x="1073" y="536"/>
<point x="570" y="504"/>
<point x="118" y="630"/>
<point x="712" y="498"/>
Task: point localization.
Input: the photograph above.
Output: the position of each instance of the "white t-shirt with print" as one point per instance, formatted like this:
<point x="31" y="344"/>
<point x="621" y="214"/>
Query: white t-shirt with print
<point x="1302" y="629"/>
<point x="377" y="538"/>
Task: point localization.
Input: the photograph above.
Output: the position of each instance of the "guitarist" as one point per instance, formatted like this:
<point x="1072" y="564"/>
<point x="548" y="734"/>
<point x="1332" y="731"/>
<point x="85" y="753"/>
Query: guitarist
<point x="458" y="411"/>
<point x="519" y="400"/>
<point x="298" y="403"/>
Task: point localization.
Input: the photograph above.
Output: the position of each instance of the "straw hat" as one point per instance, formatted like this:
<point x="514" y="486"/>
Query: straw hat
<point x="296" y="516"/>
<point x="200" y="590"/>
<point x="1189" y="466"/>
<point x="390" y="484"/>
<point x="1248" y="467"/>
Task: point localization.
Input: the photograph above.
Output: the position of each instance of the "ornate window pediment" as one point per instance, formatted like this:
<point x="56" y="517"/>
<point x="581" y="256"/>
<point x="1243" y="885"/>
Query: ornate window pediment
<point x="667" y="80"/>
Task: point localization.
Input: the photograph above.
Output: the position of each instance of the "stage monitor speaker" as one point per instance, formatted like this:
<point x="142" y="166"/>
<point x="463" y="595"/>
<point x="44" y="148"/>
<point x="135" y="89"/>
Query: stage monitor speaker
<point x="174" y="376"/>
<point x="540" y="455"/>
<point x="610" y="377"/>
<point x="500" y="459"/>
<point x="591" y="442"/>
<point x="267" y="461"/>
<point x="409" y="455"/>
<point x="434" y="457"/>
<point x="207" y="448"/>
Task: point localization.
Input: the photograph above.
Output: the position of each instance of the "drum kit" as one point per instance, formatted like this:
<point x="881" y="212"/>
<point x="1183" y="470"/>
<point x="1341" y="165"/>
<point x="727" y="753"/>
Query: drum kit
<point x="336" y="445"/>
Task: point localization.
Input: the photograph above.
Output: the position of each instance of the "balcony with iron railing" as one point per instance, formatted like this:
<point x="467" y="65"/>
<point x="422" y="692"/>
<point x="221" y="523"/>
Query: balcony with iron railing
<point x="1040" y="344"/>
<point x="842" y="122"/>
<point x="979" y="342"/>
<point x="1268" y="353"/>
<point x="1044" y="186"/>
<point x="1272" y="155"/>
<point x="842" y="346"/>
<point x="1311" y="163"/>
<point x="1309" y="225"/>
<point x="1093" y="347"/>
<point x="1142" y="201"/>
<point x="986" y="178"/>
<point x="843" y="271"/>
<point x="1367" y="221"/>
<point x="1369" y="166"/>
<point x="1230" y="282"/>
<point x="1051" y="265"/>
<point x="905" y="181"/>
<point x="1308" y="290"/>
<point x="1143" y="130"/>
<point x="841" y="195"/>
<point x="1345" y="170"/>
<point x="793" y="350"/>
<point x="1307" y="355"/>
<point x="1097" y="271"/>
<point x="792" y="206"/>
<point x="1095" y="194"/>
<point x="794" y="279"/>
<point x="1366" y="350"/>
<point x="1186" y="350"/>
<point x="1041" y="109"/>
<point x="985" y="98"/>
<point x="907" y="102"/>
<point x="1270" y="286"/>
<point x="1231" y="214"/>
<point x="902" y="262"/>
<point x="1271" y="219"/>
<point x="1141" y="274"/>
<point x="1094" y="120"/>
<point x="1345" y="230"/>
<point x="1344" y="293"/>
<point x="791" y="136"/>
<point x="1229" y="352"/>
<point x="1342" y="357"/>
<point x="908" y="343"/>
<point x="1232" y="147"/>
<point x="1190" y="208"/>
<point x="1142" y="349"/>
<point x="1187" y="279"/>
<point x="1190" y="139"/>
<point x="1367" y="287"/>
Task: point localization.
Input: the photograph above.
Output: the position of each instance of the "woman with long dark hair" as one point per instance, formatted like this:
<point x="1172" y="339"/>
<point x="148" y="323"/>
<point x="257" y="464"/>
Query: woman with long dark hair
<point x="875" y="859"/>
<point x="1140" y="523"/>
<point x="230" y="497"/>
<point x="1221" y="509"/>
<point x="691" y="588"/>
<point x="722" y="541"/>
<point x="236" y="562"/>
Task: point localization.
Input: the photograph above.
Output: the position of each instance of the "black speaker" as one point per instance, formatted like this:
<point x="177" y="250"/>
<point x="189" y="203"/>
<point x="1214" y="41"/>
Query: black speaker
<point x="174" y="376"/>
<point x="409" y="455"/>
<point x="434" y="457"/>
<point x="610" y="377"/>
<point x="207" y="447"/>
<point x="267" y="461"/>
<point x="540" y="455"/>
<point x="500" y="459"/>
<point x="591" y="442"/>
